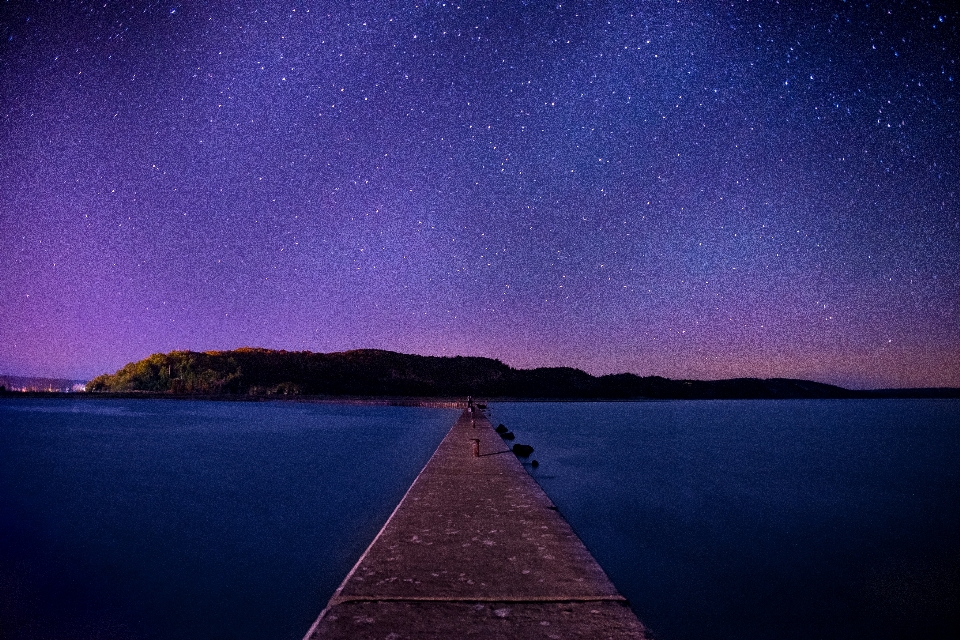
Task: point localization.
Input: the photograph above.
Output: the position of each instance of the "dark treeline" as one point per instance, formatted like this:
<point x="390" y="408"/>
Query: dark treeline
<point x="370" y="372"/>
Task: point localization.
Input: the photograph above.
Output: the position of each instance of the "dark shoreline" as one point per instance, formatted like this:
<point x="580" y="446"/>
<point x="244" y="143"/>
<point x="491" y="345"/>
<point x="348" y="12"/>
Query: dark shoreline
<point x="440" y="403"/>
<point x="936" y="393"/>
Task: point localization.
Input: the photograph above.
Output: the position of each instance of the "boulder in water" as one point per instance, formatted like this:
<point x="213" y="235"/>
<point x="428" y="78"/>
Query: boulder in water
<point x="522" y="450"/>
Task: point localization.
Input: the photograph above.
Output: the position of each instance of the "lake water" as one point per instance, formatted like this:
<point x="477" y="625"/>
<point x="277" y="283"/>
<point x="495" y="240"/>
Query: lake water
<point x="762" y="519"/>
<point x="178" y="519"/>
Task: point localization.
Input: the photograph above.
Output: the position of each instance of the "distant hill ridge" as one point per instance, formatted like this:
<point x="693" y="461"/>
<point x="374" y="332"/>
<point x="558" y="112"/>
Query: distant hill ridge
<point x="374" y="372"/>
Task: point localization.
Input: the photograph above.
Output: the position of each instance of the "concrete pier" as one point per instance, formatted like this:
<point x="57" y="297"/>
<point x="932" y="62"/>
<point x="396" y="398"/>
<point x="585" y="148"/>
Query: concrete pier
<point x="476" y="550"/>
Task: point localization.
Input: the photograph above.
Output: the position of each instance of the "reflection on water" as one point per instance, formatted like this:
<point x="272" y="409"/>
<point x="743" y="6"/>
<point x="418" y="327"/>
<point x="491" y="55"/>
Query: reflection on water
<point x="78" y="406"/>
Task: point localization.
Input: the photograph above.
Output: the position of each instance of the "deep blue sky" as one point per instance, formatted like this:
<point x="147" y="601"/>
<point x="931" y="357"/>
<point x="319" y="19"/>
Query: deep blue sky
<point x="689" y="189"/>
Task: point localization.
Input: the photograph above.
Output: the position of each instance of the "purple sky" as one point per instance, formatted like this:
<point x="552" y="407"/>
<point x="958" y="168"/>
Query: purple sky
<point x="687" y="189"/>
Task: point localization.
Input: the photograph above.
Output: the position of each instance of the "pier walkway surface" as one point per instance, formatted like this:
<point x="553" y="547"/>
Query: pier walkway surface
<point x="476" y="550"/>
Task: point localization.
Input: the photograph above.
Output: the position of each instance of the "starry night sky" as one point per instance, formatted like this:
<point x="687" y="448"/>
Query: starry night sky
<point x="687" y="189"/>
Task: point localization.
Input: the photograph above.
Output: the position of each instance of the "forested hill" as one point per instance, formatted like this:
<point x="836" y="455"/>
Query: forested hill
<point x="370" y="372"/>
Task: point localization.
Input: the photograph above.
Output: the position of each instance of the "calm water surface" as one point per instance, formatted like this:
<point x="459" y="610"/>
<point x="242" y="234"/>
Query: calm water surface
<point x="175" y="519"/>
<point x="169" y="519"/>
<point x="763" y="519"/>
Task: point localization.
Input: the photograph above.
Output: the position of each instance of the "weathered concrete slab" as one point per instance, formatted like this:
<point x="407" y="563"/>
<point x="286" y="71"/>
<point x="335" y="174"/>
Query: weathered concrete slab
<point x="402" y="620"/>
<point x="476" y="549"/>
